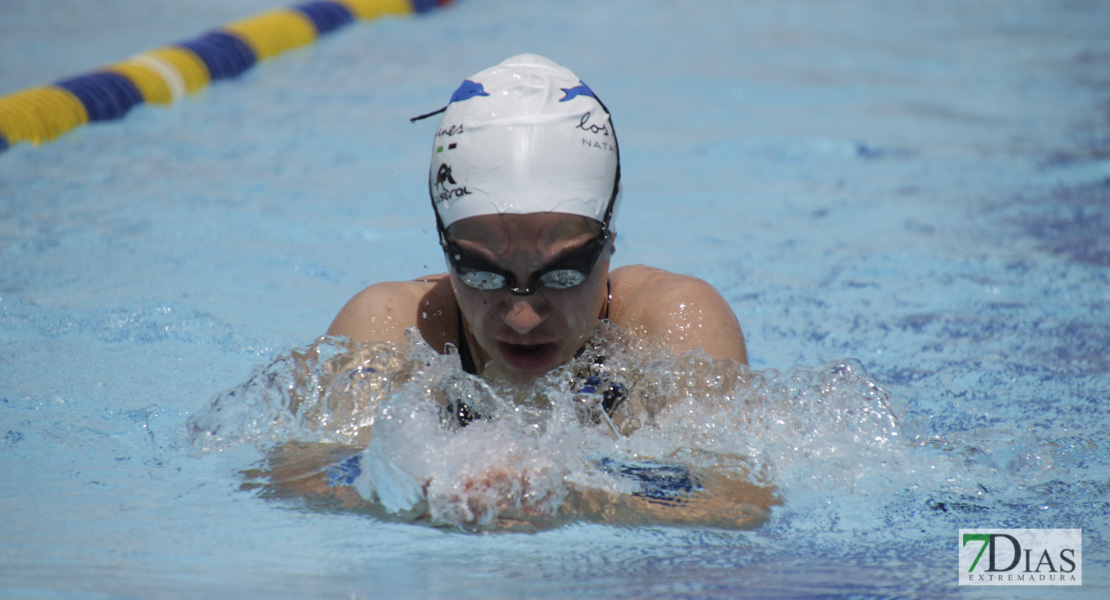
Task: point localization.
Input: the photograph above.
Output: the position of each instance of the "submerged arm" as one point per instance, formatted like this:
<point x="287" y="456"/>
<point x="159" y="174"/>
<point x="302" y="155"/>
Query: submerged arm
<point x="323" y="476"/>
<point x="674" y="495"/>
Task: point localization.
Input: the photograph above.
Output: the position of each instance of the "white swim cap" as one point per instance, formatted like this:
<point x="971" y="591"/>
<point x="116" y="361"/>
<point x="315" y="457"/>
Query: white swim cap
<point x="523" y="137"/>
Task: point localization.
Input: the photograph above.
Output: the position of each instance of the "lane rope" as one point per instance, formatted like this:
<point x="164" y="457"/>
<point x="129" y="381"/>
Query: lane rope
<point x="165" y="75"/>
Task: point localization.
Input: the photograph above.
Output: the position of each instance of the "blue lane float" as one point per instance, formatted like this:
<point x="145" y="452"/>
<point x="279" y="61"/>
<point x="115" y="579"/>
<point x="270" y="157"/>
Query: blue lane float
<point x="160" y="76"/>
<point x="423" y="6"/>
<point x="225" y="55"/>
<point x="326" y="16"/>
<point x="106" y="96"/>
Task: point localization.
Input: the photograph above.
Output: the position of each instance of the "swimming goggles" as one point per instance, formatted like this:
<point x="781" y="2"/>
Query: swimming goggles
<point x="569" y="270"/>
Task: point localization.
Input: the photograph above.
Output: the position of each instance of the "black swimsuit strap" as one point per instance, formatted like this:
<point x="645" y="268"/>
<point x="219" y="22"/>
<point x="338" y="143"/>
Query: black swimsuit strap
<point x="464" y="349"/>
<point x="608" y="297"/>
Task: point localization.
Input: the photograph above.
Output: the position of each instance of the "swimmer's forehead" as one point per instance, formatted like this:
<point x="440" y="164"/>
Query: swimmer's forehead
<point x="544" y="228"/>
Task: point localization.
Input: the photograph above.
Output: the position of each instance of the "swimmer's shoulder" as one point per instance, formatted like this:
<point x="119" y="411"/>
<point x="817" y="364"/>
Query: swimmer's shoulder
<point x="383" y="311"/>
<point x="640" y="291"/>
<point x="683" y="310"/>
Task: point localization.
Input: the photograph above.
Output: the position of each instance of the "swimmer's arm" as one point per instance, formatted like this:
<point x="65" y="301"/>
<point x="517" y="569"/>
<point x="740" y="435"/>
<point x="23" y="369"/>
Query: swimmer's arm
<point x="721" y="500"/>
<point x="704" y="498"/>
<point x="686" y="312"/>
<point x="304" y="470"/>
<point x="322" y="476"/>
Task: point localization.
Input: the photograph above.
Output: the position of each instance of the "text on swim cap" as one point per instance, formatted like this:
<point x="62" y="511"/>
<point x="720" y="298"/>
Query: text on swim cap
<point x="444" y="177"/>
<point x="585" y="125"/>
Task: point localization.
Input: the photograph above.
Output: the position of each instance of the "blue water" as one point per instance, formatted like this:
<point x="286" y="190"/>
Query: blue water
<point x="920" y="191"/>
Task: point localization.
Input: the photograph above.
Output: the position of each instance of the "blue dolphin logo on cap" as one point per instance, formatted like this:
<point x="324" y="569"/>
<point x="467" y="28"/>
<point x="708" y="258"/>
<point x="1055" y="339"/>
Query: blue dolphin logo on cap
<point x="468" y="90"/>
<point x="578" y="90"/>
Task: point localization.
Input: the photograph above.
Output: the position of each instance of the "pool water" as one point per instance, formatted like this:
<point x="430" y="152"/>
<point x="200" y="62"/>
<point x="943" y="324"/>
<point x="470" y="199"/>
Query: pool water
<point x="907" y="206"/>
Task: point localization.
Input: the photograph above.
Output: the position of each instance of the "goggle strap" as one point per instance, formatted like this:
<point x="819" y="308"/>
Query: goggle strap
<point x="617" y="179"/>
<point x="426" y="115"/>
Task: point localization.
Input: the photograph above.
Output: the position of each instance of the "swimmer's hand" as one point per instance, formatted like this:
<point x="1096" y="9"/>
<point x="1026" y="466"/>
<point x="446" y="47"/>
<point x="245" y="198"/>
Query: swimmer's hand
<point x="501" y="498"/>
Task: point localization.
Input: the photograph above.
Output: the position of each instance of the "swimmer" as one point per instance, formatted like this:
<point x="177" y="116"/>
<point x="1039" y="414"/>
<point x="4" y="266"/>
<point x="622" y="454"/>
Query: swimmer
<point x="525" y="186"/>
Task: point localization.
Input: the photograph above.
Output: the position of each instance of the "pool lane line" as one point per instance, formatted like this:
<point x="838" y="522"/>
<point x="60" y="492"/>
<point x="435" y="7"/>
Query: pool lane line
<point x="164" y="75"/>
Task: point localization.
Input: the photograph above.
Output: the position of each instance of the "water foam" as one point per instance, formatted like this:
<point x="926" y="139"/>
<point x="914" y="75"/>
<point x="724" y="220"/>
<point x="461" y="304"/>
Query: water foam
<point x="690" y="423"/>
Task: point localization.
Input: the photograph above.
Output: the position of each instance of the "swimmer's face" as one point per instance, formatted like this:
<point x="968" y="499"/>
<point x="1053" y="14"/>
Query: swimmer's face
<point x="523" y="336"/>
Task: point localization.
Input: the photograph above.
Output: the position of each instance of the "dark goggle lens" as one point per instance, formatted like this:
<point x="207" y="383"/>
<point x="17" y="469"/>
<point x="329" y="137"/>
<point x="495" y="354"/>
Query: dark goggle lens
<point x="572" y="271"/>
<point x="561" y="279"/>
<point x="481" y="280"/>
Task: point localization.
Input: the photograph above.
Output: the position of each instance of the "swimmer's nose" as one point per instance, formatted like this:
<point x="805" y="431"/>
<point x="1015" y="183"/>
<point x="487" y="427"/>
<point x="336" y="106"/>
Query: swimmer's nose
<point x="522" y="313"/>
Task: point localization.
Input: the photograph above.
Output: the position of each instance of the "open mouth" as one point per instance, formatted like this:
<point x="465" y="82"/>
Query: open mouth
<point x="527" y="357"/>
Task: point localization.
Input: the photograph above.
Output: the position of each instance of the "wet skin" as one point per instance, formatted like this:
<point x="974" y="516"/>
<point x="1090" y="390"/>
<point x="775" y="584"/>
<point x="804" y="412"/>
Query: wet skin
<point x="522" y="337"/>
<point x="518" y="338"/>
